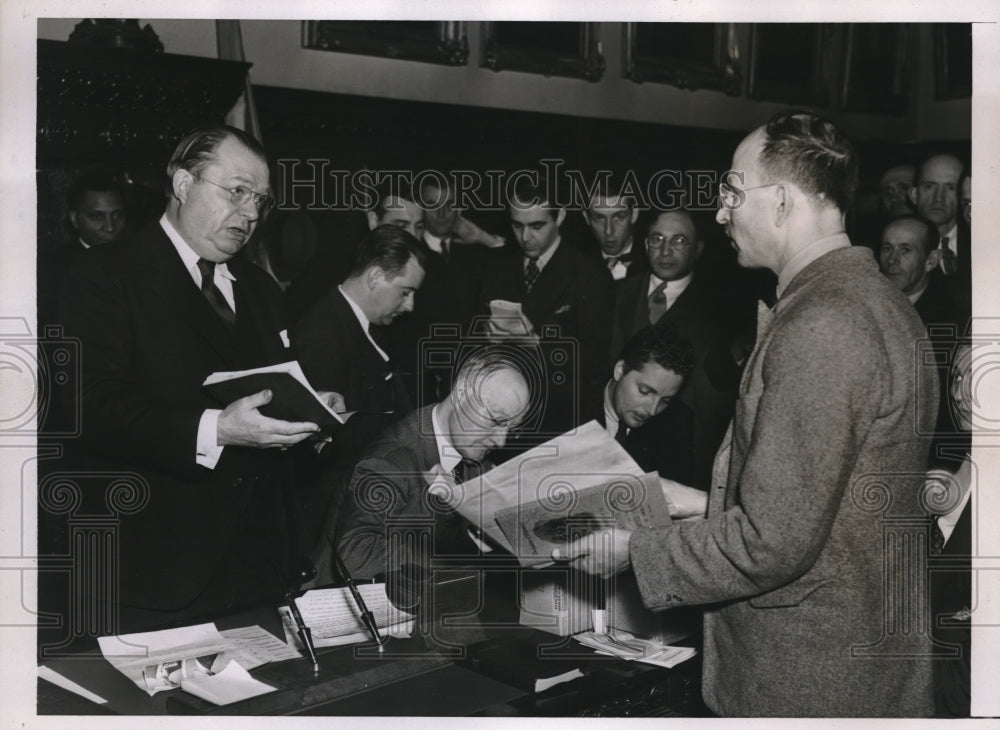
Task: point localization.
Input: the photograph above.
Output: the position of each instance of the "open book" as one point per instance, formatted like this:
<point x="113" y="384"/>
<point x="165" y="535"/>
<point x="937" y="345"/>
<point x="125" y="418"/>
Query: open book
<point x="292" y="399"/>
<point x="335" y="619"/>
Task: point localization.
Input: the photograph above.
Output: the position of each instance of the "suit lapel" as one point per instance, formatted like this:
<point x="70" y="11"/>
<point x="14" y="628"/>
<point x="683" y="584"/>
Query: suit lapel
<point x="552" y="281"/>
<point x="640" y="314"/>
<point x="262" y="317"/>
<point x="167" y="279"/>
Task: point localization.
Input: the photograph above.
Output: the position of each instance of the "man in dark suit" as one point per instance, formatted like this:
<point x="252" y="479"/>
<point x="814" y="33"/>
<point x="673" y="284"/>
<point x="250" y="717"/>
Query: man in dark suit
<point x="611" y="215"/>
<point x="673" y="293"/>
<point x="800" y="584"/>
<point x="561" y="293"/>
<point x="395" y="489"/>
<point x="908" y="257"/>
<point x="206" y="527"/>
<point x="341" y="340"/>
<point x="637" y="405"/>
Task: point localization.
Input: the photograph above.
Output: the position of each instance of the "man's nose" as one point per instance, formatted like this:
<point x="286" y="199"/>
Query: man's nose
<point x="408" y="303"/>
<point x="609" y="227"/>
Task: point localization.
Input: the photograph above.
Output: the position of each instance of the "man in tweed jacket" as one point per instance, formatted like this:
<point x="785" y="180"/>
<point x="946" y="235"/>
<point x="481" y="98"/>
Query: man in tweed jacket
<point x="808" y="611"/>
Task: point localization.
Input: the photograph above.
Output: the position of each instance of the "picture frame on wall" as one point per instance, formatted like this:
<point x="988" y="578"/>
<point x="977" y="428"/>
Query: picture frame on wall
<point x="952" y="60"/>
<point x="876" y="64"/>
<point x="686" y="55"/>
<point x="788" y="62"/>
<point x="431" y="41"/>
<point x="548" y="48"/>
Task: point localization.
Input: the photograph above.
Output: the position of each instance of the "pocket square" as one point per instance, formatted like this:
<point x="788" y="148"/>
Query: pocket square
<point x="563" y="309"/>
<point x="284" y="338"/>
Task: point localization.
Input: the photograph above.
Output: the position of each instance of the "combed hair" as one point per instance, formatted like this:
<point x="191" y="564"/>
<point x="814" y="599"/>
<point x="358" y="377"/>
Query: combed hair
<point x="483" y="362"/>
<point x="528" y="193"/>
<point x="811" y="152"/>
<point x="611" y="187"/>
<point x="97" y="180"/>
<point x="931" y="237"/>
<point x="389" y="248"/>
<point x="197" y="151"/>
<point x="388" y="190"/>
<point x="661" y="344"/>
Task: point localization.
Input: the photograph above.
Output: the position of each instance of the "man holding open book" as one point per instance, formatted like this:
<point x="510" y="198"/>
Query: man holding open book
<point x="203" y="528"/>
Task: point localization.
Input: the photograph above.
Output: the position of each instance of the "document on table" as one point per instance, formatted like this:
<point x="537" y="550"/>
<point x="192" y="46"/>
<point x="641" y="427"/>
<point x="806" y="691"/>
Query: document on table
<point x="160" y="660"/>
<point x="335" y="619"/>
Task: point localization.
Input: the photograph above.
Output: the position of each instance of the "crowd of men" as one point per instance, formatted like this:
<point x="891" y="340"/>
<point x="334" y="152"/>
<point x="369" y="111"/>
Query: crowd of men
<point x="763" y="420"/>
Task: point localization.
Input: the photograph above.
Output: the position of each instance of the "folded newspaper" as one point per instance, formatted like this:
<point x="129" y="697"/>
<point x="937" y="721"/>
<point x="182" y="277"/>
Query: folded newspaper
<point x="335" y="619"/>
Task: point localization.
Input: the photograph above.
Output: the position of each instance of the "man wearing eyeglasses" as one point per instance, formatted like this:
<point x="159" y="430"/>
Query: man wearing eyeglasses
<point x="156" y="315"/>
<point x="808" y="560"/>
<point x="671" y="293"/>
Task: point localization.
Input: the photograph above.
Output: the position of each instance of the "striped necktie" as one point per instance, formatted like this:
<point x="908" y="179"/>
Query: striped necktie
<point x="212" y="293"/>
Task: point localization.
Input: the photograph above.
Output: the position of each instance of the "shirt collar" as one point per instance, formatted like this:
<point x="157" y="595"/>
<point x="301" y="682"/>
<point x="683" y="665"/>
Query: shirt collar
<point x="675" y="287"/>
<point x="188" y="255"/>
<point x="448" y="455"/>
<point x="611" y="420"/>
<point x="624" y="252"/>
<point x="434" y="243"/>
<point x="84" y="243"/>
<point x="545" y="257"/>
<point x="916" y="295"/>
<point x="809" y="253"/>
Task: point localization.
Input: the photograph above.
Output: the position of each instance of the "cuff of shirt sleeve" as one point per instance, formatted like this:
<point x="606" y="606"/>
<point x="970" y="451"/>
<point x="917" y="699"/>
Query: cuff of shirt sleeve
<point x="208" y="447"/>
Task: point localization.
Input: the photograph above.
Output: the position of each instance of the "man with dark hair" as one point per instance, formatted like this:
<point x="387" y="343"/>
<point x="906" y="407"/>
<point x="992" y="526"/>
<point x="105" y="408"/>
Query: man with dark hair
<point x="560" y="291"/>
<point x="156" y="314"/>
<point x="96" y="207"/>
<point x="908" y="256"/>
<point x="894" y="191"/>
<point x="672" y="292"/>
<point x="638" y="404"/>
<point x="394" y="524"/>
<point x="611" y="215"/>
<point x="341" y="340"/>
<point x="935" y="196"/>
<point x="802" y="587"/>
<point x="393" y="203"/>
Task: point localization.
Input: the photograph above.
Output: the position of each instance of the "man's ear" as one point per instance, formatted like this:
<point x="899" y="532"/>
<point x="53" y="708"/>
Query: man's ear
<point x="783" y="204"/>
<point x="372" y="220"/>
<point x="911" y="195"/>
<point x="560" y="217"/>
<point x="373" y="277"/>
<point x="619" y="370"/>
<point x="933" y="260"/>
<point x="73" y="219"/>
<point x="181" y="183"/>
<point x="635" y="215"/>
<point x="698" y="248"/>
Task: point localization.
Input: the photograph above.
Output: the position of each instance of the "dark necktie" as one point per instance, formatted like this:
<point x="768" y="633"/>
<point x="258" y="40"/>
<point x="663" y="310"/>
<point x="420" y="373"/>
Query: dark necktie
<point x="657" y="303"/>
<point x="937" y="538"/>
<point x="531" y="272"/>
<point x="212" y="293"/>
<point x="949" y="262"/>
<point x="622" y="433"/>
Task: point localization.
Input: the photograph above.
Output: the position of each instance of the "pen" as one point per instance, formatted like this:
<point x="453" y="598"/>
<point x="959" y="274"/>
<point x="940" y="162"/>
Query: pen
<point x="366" y="615"/>
<point x="305" y="633"/>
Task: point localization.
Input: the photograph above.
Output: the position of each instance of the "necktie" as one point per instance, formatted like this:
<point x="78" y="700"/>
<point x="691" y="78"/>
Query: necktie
<point x="622" y="433"/>
<point x="937" y="538"/>
<point x="212" y="293"/>
<point x="657" y="303"/>
<point x="531" y="272"/>
<point x="949" y="262"/>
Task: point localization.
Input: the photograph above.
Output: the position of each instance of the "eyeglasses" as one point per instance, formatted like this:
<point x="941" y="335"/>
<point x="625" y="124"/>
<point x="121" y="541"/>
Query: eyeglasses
<point x="674" y="243"/>
<point x="241" y="194"/>
<point x="731" y="197"/>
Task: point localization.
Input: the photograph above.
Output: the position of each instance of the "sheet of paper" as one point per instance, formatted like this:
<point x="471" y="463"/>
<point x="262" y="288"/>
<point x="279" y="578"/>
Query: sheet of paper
<point x="260" y="645"/>
<point x="334" y="618"/>
<point x="585" y="457"/>
<point x="158" y="660"/>
<point x="57" y="679"/>
<point x="509" y="317"/>
<point x="231" y="684"/>
<point x="400" y="630"/>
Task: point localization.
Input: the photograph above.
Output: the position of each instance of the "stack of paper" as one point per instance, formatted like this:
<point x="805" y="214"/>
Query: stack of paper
<point x="624" y="645"/>
<point x="335" y="619"/>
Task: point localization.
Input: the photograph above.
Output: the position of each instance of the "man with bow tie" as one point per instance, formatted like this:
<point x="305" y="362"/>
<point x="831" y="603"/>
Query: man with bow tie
<point x="611" y="215"/>
<point x="394" y="523"/>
